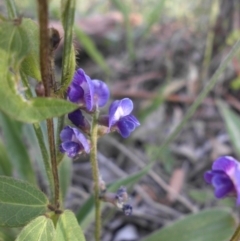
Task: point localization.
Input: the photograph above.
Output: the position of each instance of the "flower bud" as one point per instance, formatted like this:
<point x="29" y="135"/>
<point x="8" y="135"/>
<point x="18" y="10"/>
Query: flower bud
<point x="40" y="90"/>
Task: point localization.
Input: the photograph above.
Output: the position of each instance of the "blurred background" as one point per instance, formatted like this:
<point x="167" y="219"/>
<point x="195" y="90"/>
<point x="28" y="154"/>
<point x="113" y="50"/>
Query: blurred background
<point x="161" y="54"/>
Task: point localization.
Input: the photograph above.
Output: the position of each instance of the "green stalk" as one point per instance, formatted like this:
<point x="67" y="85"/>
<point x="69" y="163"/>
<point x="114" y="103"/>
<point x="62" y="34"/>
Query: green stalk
<point x="199" y="99"/>
<point x="40" y="138"/>
<point x="236" y="235"/>
<point x="95" y="173"/>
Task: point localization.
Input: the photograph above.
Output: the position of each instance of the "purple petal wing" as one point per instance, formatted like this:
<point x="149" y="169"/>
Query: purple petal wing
<point x="77" y="118"/>
<point x="226" y="164"/>
<point x="66" y="134"/>
<point x="71" y="148"/>
<point x="101" y="93"/>
<point x="125" y="107"/>
<point x="88" y="93"/>
<point x="79" y="77"/>
<point x="222" y="184"/>
<point x="113" y="117"/>
<point x="125" y="127"/>
<point x="236" y="182"/>
<point x="82" y="139"/>
<point x="208" y="176"/>
<point x="133" y="119"/>
<point x="75" y="93"/>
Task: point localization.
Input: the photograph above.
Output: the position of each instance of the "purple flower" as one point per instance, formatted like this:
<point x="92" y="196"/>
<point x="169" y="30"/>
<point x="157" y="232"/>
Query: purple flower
<point x="225" y="177"/>
<point x="77" y="118"/>
<point x="73" y="142"/>
<point x="120" y="117"/>
<point x="101" y="93"/>
<point x="127" y="209"/>
<point x="87" y="92"/>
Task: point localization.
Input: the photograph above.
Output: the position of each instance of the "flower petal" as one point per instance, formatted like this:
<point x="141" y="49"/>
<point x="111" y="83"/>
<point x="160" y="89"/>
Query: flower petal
<point x="226" y="164"/>
<point x="101" y="93"/>
<point x="79" y="77"/>
<point x="133" y="119"/>
<point x="88" y="93"/>
<point x="208" y="176"/>
<point x="113" y="118"/>
<point x="71" y="148"/>
<point x="125" y="127"/>
<point x="223" y="185"/>
<point x="66" y="134"/>
<point x="82" y="139"/>
<point x="236" y="182"/>
<point x="75" y="93"/>
<point x="77" y="118"/>
<point x="126" y="106"/>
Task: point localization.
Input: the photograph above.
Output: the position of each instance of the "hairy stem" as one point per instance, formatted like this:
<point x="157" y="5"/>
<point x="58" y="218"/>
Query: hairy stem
<point x="95" y="173"/>
<point x="40" y="138"/>
<point x="236" y="235"/>
<point x="51" y="140"/>
<point x="44" y="44"/>
<point x="46" y="73"/>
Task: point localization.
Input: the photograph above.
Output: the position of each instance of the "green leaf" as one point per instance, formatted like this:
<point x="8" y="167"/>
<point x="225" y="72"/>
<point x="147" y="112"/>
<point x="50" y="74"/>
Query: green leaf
<point x="65" y="175"/>
<point x="13" y="139"/>
<point x="31" y="65"/>
<point x="20" y="202"/>
<point x="232" y="122"/>
<point x="8" y="234"/>
<point x="91" y="49"/>
<point x="40" y="229"/>
<point x="68" y="62"/>
<point x="34" y="110"/>
<point x="5" y="164"/>
<point x="38" y="109"/>
<point x="210" y="225"/>
<point x="68" y="228"/>
<point x="86" y="212"/>
<point x="14" y="46"/>
<point x="14" y="42"/>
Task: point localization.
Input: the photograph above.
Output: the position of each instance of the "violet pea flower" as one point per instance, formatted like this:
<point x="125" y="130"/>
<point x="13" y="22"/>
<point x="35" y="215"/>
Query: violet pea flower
<point x="73" y="142"/>
<point x="120" y="117"/>
<point x="225" y="177"/>
<point x="89" y="93"/>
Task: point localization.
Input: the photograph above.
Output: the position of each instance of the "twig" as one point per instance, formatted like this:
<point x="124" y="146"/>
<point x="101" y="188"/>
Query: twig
<point x="120" y="173"/>
<point x="151" y="173"/>
<point x="46" y="77"/>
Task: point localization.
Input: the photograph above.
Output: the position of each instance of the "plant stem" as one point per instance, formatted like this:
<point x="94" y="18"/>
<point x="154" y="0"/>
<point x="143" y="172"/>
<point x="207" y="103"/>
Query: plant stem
<point x="236" y="235"/>
<point x="60" y="125"/>
<point x="51" y="140"/>
<point x="95" y="173"/>
<point x="46" y="73"/>
<point x="44" y="44"/>
<point x="40" y="138"/>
